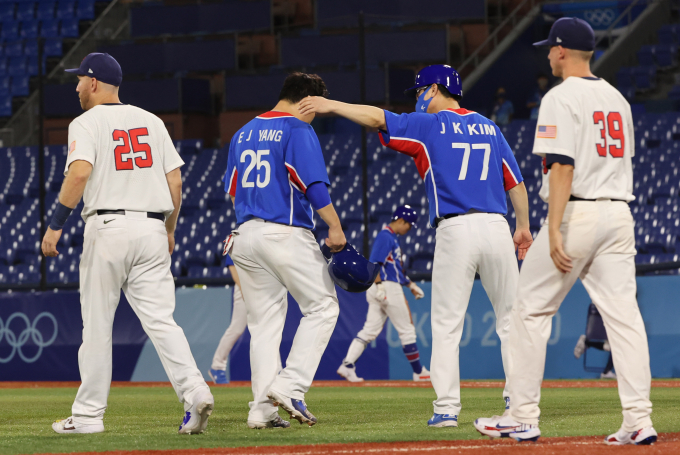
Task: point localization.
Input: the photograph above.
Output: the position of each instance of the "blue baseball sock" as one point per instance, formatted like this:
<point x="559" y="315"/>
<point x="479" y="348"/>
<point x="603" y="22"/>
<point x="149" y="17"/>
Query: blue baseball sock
<point x="411" y="352"/>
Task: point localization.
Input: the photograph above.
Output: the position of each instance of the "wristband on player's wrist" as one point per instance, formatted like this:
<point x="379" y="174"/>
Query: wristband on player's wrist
<point x="61" y="214"/>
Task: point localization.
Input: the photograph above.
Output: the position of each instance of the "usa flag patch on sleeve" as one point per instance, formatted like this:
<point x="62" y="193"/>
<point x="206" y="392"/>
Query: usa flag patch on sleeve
<point x="546" y="132"/>
<point x="72" y="148"/>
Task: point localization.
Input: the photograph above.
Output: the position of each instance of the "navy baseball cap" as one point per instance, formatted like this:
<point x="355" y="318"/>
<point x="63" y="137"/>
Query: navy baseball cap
<point x="570" y="33"/>
<point x="102" y="67"/>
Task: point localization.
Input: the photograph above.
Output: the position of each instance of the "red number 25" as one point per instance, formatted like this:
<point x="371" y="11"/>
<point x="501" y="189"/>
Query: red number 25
<point x="124" y="163"/>
<point x="614" y="126"/>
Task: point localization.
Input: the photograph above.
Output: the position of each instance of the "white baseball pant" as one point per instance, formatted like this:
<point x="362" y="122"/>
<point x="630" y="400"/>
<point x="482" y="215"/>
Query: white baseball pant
<point x="128" y="252"/>
<point x="272" y="259"/>
<point x="468" y="244"/>
<point x="236" y="328"/>
<point x="599" y="239"/>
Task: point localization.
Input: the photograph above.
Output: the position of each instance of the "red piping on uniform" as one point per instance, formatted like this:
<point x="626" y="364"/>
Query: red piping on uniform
<point x="412" y="149"/>
<point x="509" y="180"/>
<point x="461" y="111"/>
<point x="295" y="178"/>
<point x="232" y="183"/>
<point x="275" y="114"/>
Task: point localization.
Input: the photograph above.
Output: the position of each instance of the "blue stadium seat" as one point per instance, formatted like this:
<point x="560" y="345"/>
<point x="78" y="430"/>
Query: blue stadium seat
<point x="646" y="55"/>
<point x="25" y="11"/>
<point x="66" y="9"/>
<point x="6" y="11"/>
<point x="31" y="48"/>
<point x="49" y="28"/>
<point x="14" y="48"/>
<point x="666" y="55"/>
<point x="19" y="86"/>
<point x="29" y="29"/>
<point x="17" y="66"/>
<point x="69" y="28"/>
<point x="10" y="30"/>
<point x="32" y="65"/>
<point x="645" y="77"/>
<point x="4" y="85"/>
<point x="667" y="35"/>
<point x="53" y="47"/>
<point x="5" y="105"/>
<point x="85" y="9"/>
<point x="45" y="10"/>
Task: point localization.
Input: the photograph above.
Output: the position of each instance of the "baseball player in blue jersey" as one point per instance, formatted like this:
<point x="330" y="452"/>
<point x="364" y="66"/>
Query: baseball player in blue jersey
<point x="386" y="298"/>
<point x="467" y="166"/>
<point x="276" y="177"/>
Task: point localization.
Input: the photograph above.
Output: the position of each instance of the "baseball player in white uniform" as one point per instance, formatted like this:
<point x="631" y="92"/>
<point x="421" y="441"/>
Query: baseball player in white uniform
<point x="218" y="369"/>
<point x="276" y="177"/>
<point x="386" y="299"/>
<point x="123" y="163"/>
<point x="585" y="136"/>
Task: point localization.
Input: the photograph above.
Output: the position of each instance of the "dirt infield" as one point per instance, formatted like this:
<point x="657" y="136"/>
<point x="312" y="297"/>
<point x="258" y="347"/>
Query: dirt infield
<point x="566" y="384"/>
<point x="668" y="443"/>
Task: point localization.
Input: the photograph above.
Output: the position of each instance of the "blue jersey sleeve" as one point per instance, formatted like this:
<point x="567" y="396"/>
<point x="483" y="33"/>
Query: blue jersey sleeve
<point x="231" y="175"/>
<point x="382" y="247"/>
<point x="304" y="159"/>
<point x="511" y="173"/>
<point x="227" y="261"/>
<point x="408" y="134"/>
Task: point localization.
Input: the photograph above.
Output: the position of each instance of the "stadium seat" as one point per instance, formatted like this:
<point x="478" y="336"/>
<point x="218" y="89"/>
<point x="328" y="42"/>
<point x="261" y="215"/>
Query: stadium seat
<point x="31" y="48"/>
<point x="25" y="11"/>
<point x="646" y="55"/>
<point x="19" y="86"/>
<point x="66" y="9"/>
<point x="645" y="77"/>
<point x="666" y="55"/>
<point x="29" y="29"/>
<point x="6" y="11"/>
<point x="69" y="28"/>
<point x="85" y="9"/>
<point x="667" y="35"/>
<point x="10" y="30"/>
<point x="45" y="10"/>
<point x="14" y="48"/>
<point x="53" y="47"/>
<point x="17" y="66"/>
<point x="49" y="28"/>
<point x="5" y="105"/>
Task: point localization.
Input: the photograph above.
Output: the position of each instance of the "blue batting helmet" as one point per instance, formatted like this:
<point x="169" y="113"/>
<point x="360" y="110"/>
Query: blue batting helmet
<point x="350" y="270"/>
<point x="407" y="213"/>
<point x="438" y="74"/>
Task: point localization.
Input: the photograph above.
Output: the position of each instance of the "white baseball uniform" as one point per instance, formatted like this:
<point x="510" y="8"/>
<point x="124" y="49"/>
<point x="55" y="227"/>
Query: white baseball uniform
<point x="587" y="120"/>
<point x="236" y="328"/>
<point x="131" y="153"/>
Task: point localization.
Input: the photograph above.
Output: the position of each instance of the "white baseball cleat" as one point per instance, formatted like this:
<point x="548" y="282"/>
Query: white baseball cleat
<point x="68" y="426"/>
<point x="424" y="376"/>
<point x="196" y="418"/>
<point x="506" y="427"/>
<point x="296" y="408"/>
<point x="643" y="437"/>
<point x="608" y="375"/>
<point x="276" y="422"/>
<point x="580" y="347"/>
<point x="349" y="373"/>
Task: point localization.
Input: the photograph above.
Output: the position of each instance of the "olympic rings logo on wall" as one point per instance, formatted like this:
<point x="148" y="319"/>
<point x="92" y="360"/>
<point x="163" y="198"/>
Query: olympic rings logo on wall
<point x="31" y="330"/>
<point x="600" y="17"/>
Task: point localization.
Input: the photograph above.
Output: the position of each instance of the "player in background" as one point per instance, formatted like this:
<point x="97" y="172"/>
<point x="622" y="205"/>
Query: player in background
<point x="386" y="298"/>
<point x="276" y="177"/>
<point x="585" y="137"/>
<point x="467" y="166"/>
<point x="123" y="163"/>
<point x="218" y="369"/>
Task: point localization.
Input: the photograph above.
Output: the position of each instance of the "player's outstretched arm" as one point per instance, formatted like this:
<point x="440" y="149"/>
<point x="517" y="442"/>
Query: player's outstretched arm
<point x="71" y="192"/>
<point x="174" y="179"/>
<point x="561" y="176"/>
<point x="336" y="238"/>
<point x="368" y="116"/>
<point x="522" y="237"/>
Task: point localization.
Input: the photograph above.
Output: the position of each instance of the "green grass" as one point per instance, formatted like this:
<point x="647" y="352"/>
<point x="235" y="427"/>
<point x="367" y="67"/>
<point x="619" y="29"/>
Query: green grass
<point x="147" y="418"/>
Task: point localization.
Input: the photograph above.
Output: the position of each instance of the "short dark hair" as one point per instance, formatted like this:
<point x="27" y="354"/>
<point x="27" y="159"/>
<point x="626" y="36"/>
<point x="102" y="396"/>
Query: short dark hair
<point x="446" y="94"/>
<point x="300" y="85"/>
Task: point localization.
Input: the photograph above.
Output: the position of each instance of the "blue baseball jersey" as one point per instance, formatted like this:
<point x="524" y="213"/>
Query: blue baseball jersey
<point x="462" y="157"/>
<point x="272" y="160"/>
<point x="387" y="252"/>
<point x="228" y="261"/>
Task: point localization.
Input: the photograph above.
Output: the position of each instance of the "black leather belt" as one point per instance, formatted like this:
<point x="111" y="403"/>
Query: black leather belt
<point x="445" y="217"/>
<point x="155" y="215"/>
<point x="574" y="198"/>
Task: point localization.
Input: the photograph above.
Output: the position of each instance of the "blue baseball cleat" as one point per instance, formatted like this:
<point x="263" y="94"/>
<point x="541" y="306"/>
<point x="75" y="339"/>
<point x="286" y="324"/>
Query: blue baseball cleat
<point x="296" y="408"/>
<point x="218" y="376"/>
<point x="443" y="420"/>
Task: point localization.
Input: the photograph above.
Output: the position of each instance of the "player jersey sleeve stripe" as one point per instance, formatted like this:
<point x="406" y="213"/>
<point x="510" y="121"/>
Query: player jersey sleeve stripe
<point x="295" y="178"/>
<point x="509" y="179"/>
<point x="232" y="182"/>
